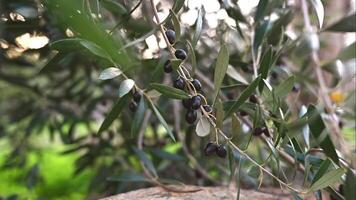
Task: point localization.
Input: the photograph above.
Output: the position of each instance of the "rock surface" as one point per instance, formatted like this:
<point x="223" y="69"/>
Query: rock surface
<point x="205" y="193"/>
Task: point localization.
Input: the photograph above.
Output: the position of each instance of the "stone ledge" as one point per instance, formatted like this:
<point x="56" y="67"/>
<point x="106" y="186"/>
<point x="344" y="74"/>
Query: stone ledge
<point x="206" y="193"/>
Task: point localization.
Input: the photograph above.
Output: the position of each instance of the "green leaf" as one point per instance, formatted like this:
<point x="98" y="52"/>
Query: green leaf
<point x="170" y="92"/>
<point x="233" y="73"/>
<point x="138" y="118"/>
<point x="349" y="186"/>
<point x="114" y="7"/>
<point x="146" y="161"/>
<point x="284" y="88"/>
<point x="192" y="57"/>
<point x="176" y="63"/>
<point x="167" y="155"/>
<point x="319" y="10"/>
<point x="94" y="49"/>
<point x="176" y="25"/>
<point x="260" y="33"/>
<point x="178" y="4"/>
<point x="348" y="52"/>
<point x="203" y="127"/>
<point x="66" y="45"/>
<point x="316" y="126"/>
<point x="261" y="10"/>
<point x="322" y="170"/>
<point x="109" y="73"/>
<point x="235" y="13"/>
<point x="52" y="62"/>
<point x="346" y="24"/>
<point x="126" y="86"/>
<point x="219" y="113"/>
<point x="243" y="97"/>
<point x="161" y="119"/>
<point x="328" y="179"/>
<point x="114" y="113"/>
<point x="220" y="69"/>
<point x="265" y="65"/>
<point x="198" y="27"/>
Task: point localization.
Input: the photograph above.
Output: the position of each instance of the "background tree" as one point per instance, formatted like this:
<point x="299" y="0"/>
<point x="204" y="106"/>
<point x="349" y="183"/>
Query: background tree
<point x="266" y="90"/>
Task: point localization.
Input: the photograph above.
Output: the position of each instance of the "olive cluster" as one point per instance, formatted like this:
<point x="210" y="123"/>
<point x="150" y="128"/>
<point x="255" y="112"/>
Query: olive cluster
<point x="193" y="103"/>
<point x="136" y="97"/>
<point x="212" y="148"/>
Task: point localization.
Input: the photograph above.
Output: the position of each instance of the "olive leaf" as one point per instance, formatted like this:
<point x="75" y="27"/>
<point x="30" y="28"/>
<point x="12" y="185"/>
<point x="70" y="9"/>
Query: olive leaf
<point x="109" y="73"/>
<point x="114" y="113"/>
<point x="94" y="49"/>
<point x="284" y="88"/>
<point x="319" y="9"/>
<point x="346" y="24"/>
<point x="243" y="97"/>
<point x="203" y="127"/>
<point x="328" y="179"/>
<point x="192" y="56"/>
<point x="169" y="92"/>
<point x="145" y="160"/>
<point x="176" y="24"/>
<point x="161" y="119"/>
<point x="126" y="86"/>
<point x="220" y="69"/>
<point x="233" y="73"/>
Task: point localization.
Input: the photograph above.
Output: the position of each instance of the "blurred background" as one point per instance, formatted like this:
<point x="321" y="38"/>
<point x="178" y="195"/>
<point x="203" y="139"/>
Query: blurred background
<point x="52" y="104"/>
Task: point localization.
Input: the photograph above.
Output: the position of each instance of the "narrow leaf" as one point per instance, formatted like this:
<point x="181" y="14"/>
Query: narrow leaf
<point x="319" y="10"/>
<point x="322" y="170"/>
<point x="261" y="9"/>
<point x="169" y="92"/>
<point x="346" y="24"/>
<point x="109" y="73"/>
<point x="265" y="65"/>
<point x="349" y="186"/>
<point x="284" y="88"/>
<point x="126" y="86"/>
<point x="198" y="27"/>
<point x="161" y="119"/>
<point x="176" y="25"/>
<point x="203" y="127"/>
<point x="317" y="126"/>
<point x="93" y="48"/>
<point x="260" y="32"/>
<point x="146" y="161"/>
<point x="192" y="57"/>
<point x="178" y="4"/>
<point x="328" y="179"/>
<point x="114" y="113"/>
<point x="243" y="97"/>
<point x="233" y="73"/>
<point x="138" y="118"/>
<point x="176" y="63"/>
<point x="220" y="68"/>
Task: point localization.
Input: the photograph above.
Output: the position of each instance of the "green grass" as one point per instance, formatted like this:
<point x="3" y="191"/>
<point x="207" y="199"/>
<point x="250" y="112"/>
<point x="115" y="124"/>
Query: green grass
<point x="57" y="181"/>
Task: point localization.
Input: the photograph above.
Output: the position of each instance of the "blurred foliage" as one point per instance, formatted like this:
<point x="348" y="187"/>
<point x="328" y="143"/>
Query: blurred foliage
<point x="53" y="103"/>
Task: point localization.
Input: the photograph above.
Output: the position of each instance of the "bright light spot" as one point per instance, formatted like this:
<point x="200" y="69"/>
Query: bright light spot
<point x="212" y="20"/>
<point x="4" y="44"/>
<point x="211" y="6"/>
<point x="16" y="17"/>
<point x="162" y="16"/>
<point x="151" y="42"/>
<point x="27" y="41"/>
<point x="69" y="32"/>
<point x="247" y="6"/>
<point x="189" y="17"/>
